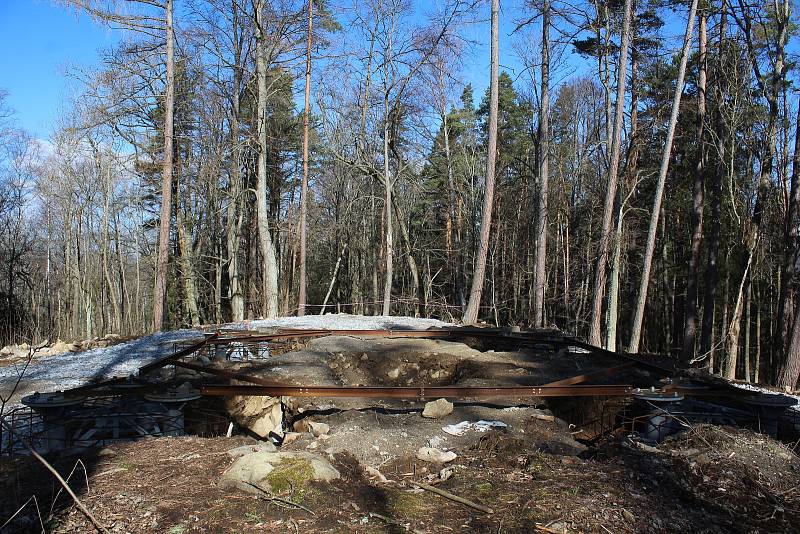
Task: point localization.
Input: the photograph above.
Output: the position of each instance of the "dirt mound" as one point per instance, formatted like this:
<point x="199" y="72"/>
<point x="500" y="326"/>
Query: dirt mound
<point x="748" y="475"/>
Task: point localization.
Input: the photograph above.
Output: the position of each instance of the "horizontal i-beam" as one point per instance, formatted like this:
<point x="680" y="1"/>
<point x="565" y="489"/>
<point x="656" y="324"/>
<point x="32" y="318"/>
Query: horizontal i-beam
<point x="387" y="392"/>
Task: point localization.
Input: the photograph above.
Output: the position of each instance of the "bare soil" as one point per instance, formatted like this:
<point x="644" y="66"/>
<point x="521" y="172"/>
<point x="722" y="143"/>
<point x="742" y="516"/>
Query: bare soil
<point x="711" y="479"/>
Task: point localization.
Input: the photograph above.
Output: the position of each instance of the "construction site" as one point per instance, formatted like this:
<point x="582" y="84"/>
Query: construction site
<point x="403" y="429"/>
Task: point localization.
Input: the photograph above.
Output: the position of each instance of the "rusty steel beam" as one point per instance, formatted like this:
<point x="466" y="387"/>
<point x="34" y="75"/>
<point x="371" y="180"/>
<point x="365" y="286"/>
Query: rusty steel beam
<point x="419" y="392"/>
<point x="225" y="374"/>
<point x="579" y="379"/>
<point x="180" y="354"/>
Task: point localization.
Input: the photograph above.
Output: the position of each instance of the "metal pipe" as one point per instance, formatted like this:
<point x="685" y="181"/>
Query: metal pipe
<point x="419" y="392"/>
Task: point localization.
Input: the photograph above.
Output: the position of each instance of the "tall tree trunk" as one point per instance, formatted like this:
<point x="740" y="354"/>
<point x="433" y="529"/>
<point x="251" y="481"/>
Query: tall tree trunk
<point x="387" y="182"/>
<point x="791" y="368"/>
<point x="698" y="192"/>
<point x="748" y="319"/>
<point x="301" y="294"/>
<point x="611" y="191"/>
<point x="638" y="318"/>
<point x="790" y="253"/>
<point x="268" y="253"/>
<point x="117" y="322"/>
<point x="166" y="184"/>
<point x="235" y="217"/>
<point x="757" y="362"/>
<point x="412" y="263"/>
<point x="631" y="174"/>
<point x="772" y="95"/>
<point x="539" y="274"/>
<point x="235" y="212"/>
<point x="471" y="313"/>
<point x="712" y="268"/>
<point x="187" y="268"/>
<point x="455" y="254"/>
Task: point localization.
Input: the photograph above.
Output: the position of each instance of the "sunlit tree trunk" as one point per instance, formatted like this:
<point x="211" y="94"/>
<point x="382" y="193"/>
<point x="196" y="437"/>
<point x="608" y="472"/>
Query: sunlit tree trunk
<point x="471" y="313"/>
<point x="598" y="292"/>
<point x="638" y="318"/>
<point x="166" y="184"/>
<point x="540" y="275"/>
<point x="268" y="253"/>
<point x="301" y="295"/>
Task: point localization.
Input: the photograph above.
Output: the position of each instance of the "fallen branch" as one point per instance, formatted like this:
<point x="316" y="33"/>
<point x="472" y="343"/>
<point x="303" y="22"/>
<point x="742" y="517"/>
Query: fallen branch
<point x="455" y="498"/>
<point x="85" y="476"/>
<point x="58" y="477"/>
<point x="279" y="500"/>
<point x="385" y="519"/>
<point x="38" y="512"/>
<point x="542" y="528"/>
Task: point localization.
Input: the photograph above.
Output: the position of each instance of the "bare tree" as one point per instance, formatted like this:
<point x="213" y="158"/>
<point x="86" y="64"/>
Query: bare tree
<point x="636" y="330"/>
<point x="166" y="185"/>
<point x="598" y="292"/>
<point x="471" y="313"/>
<point x="268" y="252"/>
<point x="540" y="274"/>
<point x="301" y="296"/>
<point x="690" y="326"/>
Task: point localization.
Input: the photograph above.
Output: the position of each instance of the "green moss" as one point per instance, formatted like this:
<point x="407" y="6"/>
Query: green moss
<point x="483" y="489"/>
<point x="403" y="503"/>
<point x="291" y="474"/>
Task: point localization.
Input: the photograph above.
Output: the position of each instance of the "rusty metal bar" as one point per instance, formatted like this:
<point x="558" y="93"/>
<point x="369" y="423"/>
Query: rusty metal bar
<point x="419" y="392"/>
<point x="225" y="374"/>
<point x="180" y="354"/>
<point x="591" y="376"/>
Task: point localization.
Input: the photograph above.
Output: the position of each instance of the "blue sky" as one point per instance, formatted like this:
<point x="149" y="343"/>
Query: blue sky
<point x="40" y="38"/>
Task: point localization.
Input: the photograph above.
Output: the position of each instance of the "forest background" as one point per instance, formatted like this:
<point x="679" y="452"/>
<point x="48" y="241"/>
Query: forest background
<point x="646" y="178"/>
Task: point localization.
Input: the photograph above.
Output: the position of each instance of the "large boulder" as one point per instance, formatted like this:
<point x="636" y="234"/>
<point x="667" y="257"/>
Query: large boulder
<point x="244" y="450"/>
<point x="277" y="472"/>
<point x="261" y="415"/>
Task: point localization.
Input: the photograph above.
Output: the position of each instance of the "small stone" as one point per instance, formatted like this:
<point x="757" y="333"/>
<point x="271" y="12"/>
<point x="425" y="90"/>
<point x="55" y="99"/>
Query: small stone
<point x="318" y="429"/>
<point x="437" y="409"/>
<point x="430" y="454"/>
<point x="105" y="451"/>
<point x="394" y="373"/>
<point x="374" y="473"/>
<point x="364" y="357"/>
<point x="289" y="437"/>
<point x="629" y="517"/>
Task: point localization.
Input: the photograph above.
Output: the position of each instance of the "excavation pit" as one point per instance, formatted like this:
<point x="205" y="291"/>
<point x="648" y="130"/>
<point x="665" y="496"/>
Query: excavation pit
<point x="397" y="362"/>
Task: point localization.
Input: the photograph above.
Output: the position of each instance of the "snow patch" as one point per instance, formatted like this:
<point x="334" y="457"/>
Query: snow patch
<point x="72" y="369"/>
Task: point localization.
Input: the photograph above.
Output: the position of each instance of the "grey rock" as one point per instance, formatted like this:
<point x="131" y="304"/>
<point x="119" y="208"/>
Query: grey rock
<point x="261" y="446"/>
<point x="265" y="469"/>
<point x="430" y="454"/>
<point x="437" y="409"/>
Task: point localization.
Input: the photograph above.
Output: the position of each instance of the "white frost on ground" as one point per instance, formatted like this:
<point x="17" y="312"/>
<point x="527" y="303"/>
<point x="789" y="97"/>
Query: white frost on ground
<point x="72" y="369"/>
